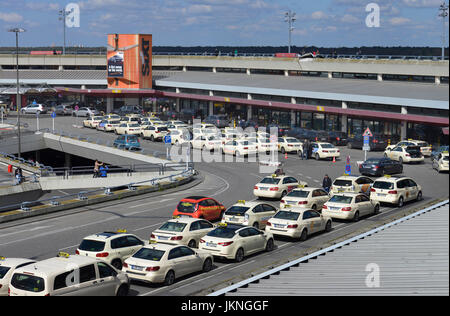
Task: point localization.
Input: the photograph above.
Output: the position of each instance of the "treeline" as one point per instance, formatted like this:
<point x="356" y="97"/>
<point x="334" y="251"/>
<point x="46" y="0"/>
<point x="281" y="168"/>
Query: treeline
<point x="399" y="51"/>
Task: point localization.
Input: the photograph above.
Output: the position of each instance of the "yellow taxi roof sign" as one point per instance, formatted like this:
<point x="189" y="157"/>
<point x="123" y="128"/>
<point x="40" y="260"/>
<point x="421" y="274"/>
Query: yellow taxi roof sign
<point x="63" y="255"/>
<point x="241" y="202"/>
<point x="152" y="242"/>
<point x="122" y="231"/>
<point x="387" y="175"/>
<point x="222" y="225"/>
<point x="2" y="258"/>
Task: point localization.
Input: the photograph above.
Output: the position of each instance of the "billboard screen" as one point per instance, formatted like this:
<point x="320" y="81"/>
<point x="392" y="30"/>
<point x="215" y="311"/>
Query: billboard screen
<point x="115" y="64"/>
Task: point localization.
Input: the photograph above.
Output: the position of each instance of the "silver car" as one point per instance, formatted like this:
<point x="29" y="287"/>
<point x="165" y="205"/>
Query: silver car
<point x="34" y="109"/>
<point x="86" y="112"/>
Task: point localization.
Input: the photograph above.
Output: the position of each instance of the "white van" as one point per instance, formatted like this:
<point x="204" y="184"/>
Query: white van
<point x="68" y="275"/>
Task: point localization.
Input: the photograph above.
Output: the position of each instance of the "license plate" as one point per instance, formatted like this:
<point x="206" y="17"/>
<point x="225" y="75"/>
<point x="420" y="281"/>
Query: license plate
<point x="341" y="190"/>
<point x="263" y="189"/>
<point x="334" y="208"/>
<point x="163" y="237"/>
<point x="381" y="194"/>
<point x="279" y="225"/>
<point x="290" y="202"/>
<point x="138" y="268"/>
<point x="211" y="244"/>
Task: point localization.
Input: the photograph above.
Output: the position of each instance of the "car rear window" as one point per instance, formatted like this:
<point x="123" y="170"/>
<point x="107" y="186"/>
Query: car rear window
<point x="187" y="207"/>
<point x="326" y="146"/>
<point x="92" y="245"/>
<point x="383" y="185"/>
<point x="270" y="181"/>
<point x="413" y="149"/>
<point x="298" y="194"/>
<point x="445" y="158"/>
<point x="422" y="144"/>
<point x="29" y="283"/>
<point x="223" y="232"/>
<point x="3" y="271"/>
<point x="342" y="183"/>
<point x="290" y="216"/>
<point x="149" y="254"/>
<point x="341" y="199"/>
<point x="292" y="140"/>
<point x="237" y="210"/>
<point x="173" y="227"/>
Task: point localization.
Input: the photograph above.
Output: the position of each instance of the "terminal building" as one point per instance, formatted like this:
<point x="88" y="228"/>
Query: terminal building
<point x="404" y="98"/>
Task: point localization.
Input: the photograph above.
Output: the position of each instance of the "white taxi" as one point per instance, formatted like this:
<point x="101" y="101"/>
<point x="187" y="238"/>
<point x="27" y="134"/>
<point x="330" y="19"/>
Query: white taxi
<point x="163" y="263"/>
<point x="289" y="145"/>
<point x="322" y="150"/>
<point x="232" y="241"/>
<point x="276" y="187"/>
<point x="350" y="206"/>
<point x="182" y="231"/>
<point x="311" y="198"/>
<point x="93" y="121"/>
<point x="108" y="125"/>
<point x="128" y="129"/>
<point x="264" y="144"/>
<point x="351" y="183"/>
<point x="7" y="268"/>
<point x="129" y="119"/>
<point x="154" y="132"/>
<point x="298" y="223"/>
<point x="441" y="162"/>
<point x="395" y="190"/>
<point x="67" y="275"/>
<point x="250" y="213"/>
<point x="179" y="136"/>
<point x="112" y="247"/>
<point x="240" y="148"/>
<point x="425" y="148"/>
<point x="408" y="154"/>
<point x="205" y="142"/>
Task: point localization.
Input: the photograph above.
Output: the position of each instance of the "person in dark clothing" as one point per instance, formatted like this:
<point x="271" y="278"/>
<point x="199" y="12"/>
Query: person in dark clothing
<point x="306" y="149"/>
<point x="326" y="183"/>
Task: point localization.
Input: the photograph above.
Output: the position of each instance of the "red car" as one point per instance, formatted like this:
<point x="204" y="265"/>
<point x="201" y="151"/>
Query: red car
<point x="200" y="207"/>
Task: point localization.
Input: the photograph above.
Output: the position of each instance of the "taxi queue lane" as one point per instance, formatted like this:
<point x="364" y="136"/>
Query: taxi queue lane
<point x="224" y="182"/>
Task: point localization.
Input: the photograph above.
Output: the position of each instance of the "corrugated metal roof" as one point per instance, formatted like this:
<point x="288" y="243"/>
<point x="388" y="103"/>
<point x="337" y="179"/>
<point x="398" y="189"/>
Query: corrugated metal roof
<point x="412" y="258"/>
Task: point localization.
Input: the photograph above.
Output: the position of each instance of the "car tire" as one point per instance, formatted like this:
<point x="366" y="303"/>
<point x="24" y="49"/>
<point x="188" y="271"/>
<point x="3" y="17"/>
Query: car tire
<point x="376" y="210"/>
<point x="152" y="138"/>
<point x="117" y="263"/>
<point x="283" y="194"/>
<point x="400" y="160"/>
<point x="207" y="265"/>
<point x="239" y="255"/>
<point x="192" y="244"/>
<point x="170" y="278"/>
<point x="304" y="235"/>
<point x="283" y="151"/>
<point x="328" y="226"/>
<point x="317" y="156"/>
<point x="314" y="207"/>
<point x="270" y="245"/>
<point x="400" y="202"/>
<point x="256" y="225"/>
<point x="356" y="217"/>
<point x="419" y="196"/>
<point x="123" y="290"/>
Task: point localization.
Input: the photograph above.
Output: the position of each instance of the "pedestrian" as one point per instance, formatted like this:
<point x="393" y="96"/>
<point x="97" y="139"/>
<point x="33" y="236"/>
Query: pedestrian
<point x="306" y="146"/>
<point x="326" y="183"/>
<point x="103" y="171"/>
<point x="97" y="165"/>
<point x="18" y="176"/>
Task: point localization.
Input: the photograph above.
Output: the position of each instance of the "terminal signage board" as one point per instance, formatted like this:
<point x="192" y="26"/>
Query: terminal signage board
<point x="129" y="61"/>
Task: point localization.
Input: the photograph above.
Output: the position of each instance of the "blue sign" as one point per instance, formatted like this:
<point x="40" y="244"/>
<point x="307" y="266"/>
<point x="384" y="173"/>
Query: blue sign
<point x="167" y="139"/>
<point x="348" y="167"/>
<point x="366" y="140"/>
<point x="53" y="114"/>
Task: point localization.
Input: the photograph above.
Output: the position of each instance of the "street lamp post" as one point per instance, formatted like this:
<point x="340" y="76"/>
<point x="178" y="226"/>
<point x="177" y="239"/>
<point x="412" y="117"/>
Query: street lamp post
<point x="290" y="18"/>
<point x="443" y="9"/>
<point x="18" y="30"/>
<point x="62" y="17"/>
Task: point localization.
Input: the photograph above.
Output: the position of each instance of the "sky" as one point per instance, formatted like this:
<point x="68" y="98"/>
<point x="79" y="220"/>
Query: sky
<point x="322" y="23"/>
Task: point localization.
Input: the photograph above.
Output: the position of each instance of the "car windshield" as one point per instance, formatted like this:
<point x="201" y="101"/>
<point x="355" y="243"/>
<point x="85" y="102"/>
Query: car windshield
<point x="237" y="210"/>
<point x="341" y="199"/>
<point x="29" y="283"/>
<point x="270" y="181"/>
<point x="223" y="232"/>
<point x="92" y="245"/>
<point x="373" y="161"/>
<point x="290" y="216"/>
<point x="298" y="194"/>
<point x="187" y="207"/>
<point x="149" y="254"/>
<point x="3" y="271"/>
<point x="173" y="227"/>
<point x="383" y="185"/>
<point x="133" y="125"/>
<point x="342" y="183"/>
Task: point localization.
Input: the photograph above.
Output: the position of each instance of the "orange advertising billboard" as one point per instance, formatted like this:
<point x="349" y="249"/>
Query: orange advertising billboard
<point x="129" y="60"/>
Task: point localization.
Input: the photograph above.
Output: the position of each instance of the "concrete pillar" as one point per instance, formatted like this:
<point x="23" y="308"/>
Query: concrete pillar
<point x="293" y="100"/>
<point x="67" y="161"/>
<point x="184" y="68"/>
<point x="214" y="70"/>
<point x="249" y="72"/>
<point x="249" y="112"/>
<point x="380" y="77"/>
<point x="437" y="80"/>
<point x="109" y="104"/>
<point x="292" y="118"/>
<point x="211" y="108"/>
<point x="249" y="96"/>
<point x="286" y="73"/>
<point x="177" y="90"/>
<point x="177" y="104"/>
<point x="330" y="75"/>
<point x="344" y="105"/>
<point x="404" y="124"/>
<point x="344" y="118"/>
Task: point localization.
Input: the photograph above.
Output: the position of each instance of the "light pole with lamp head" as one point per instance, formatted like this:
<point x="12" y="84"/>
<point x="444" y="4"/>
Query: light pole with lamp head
<point x="443" y="9"/>
<point x="18" y="30"/>
<point x="290" y="18"/>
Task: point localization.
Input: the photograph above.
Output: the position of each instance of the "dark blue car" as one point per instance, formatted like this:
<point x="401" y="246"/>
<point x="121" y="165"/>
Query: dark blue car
<point x="130" y="142"/>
